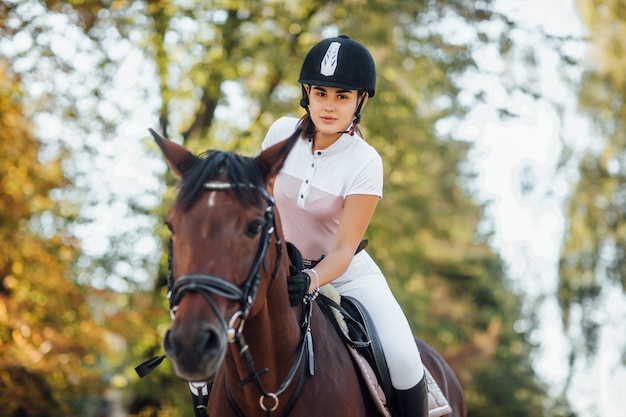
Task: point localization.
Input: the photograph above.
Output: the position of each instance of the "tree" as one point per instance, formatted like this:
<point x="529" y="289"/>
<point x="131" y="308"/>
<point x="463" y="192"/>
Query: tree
<point x="227" y="70"/>
<point x="596" y="245"/>
<point x="593" y="258"/>
<point x="424" y="233"/>
<point x="50" y="347"/>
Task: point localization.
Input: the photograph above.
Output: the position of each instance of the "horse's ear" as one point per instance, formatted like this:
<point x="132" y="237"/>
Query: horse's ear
<point x="177" y="157"/>
<point x="272" y="159"/>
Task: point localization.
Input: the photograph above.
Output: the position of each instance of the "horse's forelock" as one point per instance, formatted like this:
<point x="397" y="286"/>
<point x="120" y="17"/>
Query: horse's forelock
<point x="213" y="165"/>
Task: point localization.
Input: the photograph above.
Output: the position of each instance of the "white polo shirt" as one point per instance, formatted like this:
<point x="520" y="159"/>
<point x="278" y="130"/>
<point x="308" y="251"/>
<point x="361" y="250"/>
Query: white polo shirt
<point x="311" y="188"/>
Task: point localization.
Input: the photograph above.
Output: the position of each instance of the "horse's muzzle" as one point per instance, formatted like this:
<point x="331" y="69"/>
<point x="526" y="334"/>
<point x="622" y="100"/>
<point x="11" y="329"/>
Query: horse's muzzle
<point x="197" y="351"/>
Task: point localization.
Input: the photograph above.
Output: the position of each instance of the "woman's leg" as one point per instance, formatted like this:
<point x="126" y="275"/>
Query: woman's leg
<point x="365" y="282"/>
<point x="372" y="290"/>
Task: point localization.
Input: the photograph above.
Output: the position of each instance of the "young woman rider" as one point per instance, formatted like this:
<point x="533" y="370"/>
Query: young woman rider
<point x="327" y="192"/>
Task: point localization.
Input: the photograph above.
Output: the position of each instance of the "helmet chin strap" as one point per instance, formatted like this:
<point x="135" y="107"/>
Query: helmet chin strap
<point x="304" y="101"/>
<point x="357" y="118"/>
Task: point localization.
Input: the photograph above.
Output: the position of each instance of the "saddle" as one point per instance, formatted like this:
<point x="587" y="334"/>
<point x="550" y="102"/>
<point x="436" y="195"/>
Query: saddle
<point x="356" y="328"/>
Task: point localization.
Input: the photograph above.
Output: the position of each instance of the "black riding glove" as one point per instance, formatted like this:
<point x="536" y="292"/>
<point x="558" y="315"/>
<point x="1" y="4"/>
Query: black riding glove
<point x="298" y="285"/>
<point x="296" y="264"/>
<point x="297" y="282"/>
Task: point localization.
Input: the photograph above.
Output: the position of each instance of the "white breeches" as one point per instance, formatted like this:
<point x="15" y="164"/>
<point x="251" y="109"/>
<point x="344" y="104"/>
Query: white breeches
<point x="364" y="281"/>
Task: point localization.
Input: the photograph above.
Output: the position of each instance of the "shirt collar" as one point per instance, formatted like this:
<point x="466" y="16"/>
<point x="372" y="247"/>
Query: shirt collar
<point x="339" y="145"/>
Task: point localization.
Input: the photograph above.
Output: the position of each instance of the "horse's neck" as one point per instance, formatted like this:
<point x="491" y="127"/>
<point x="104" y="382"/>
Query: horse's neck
<point x="273" y="336"/>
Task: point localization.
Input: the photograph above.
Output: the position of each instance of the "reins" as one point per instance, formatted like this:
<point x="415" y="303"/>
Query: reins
<point x="305" y="351"/>
<point x="209" y="285"/>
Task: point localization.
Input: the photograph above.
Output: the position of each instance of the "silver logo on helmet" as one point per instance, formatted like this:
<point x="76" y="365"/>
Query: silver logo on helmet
<point x="329" y="63"/>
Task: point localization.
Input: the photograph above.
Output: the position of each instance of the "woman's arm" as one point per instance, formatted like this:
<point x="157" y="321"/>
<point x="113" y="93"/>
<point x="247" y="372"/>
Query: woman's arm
<point x="357" y="213"/>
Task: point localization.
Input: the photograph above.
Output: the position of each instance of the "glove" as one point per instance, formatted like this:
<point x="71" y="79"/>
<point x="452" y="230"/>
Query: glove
<point x="298" y="284"/>
<point x="295" y="259"/>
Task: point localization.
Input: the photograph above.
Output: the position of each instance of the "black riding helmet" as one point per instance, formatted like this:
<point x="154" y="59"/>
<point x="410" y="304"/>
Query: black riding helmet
<point x="339" y="62"/>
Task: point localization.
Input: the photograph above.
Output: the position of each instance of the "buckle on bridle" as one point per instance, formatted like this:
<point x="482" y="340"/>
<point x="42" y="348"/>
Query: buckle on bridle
<point x="232" y="332"/>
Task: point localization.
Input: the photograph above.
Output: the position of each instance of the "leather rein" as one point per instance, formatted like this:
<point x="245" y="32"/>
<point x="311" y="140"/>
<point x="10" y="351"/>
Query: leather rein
<point x="209" y="286"/>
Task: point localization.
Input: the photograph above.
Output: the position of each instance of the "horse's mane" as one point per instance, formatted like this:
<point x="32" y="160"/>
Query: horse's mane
<point x="212" y="164"/>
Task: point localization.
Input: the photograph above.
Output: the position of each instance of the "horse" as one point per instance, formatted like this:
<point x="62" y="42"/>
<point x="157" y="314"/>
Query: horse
<point x="233" y="327"/>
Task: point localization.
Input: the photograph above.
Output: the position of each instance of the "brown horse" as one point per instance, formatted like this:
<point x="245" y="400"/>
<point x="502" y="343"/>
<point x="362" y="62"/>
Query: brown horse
<point x="232" y="322"/>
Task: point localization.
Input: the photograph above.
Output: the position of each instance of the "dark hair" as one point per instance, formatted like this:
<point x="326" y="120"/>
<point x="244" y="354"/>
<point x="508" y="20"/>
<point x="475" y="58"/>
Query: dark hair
<point x="212" y="164"/>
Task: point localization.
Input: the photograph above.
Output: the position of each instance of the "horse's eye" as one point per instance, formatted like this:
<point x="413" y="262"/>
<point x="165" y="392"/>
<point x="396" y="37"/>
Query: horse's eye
<point x="254" y="228"/>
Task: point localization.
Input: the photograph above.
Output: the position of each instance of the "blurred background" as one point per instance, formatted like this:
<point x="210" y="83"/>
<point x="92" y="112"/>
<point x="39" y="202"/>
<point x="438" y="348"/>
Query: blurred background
<point x="502" y="230"/>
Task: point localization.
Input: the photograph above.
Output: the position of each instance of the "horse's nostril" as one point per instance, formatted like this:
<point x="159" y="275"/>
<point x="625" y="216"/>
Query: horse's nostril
<point x="169" y="343"/>
<point x="205" y="342"/>
<point x="211" y="340"/>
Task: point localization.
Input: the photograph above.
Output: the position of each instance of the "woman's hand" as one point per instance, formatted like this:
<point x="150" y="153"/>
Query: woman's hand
<point x="298" y="285"/>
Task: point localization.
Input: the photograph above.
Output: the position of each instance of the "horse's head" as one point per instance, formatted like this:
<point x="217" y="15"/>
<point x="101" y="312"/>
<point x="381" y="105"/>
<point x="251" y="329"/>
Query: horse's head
<point x="222" y="223"/>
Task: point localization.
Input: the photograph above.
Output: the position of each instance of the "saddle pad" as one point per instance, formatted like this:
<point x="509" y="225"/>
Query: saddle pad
<point x="438" y="405"/>
<point x="371" y="381"/>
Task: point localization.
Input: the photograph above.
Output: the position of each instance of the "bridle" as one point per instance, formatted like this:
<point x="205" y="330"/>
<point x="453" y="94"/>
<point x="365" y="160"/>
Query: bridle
<point x="210" y="285"/>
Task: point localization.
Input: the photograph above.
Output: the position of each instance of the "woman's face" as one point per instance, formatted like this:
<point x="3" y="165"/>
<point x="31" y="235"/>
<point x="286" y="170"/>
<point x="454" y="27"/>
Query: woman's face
<point x="332" y="109"/>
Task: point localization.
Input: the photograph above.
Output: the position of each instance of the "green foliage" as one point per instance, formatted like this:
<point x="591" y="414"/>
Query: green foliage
<point x="50" y="346"/>
<point x="424" y="232"/>
<point x="594" y="254"/>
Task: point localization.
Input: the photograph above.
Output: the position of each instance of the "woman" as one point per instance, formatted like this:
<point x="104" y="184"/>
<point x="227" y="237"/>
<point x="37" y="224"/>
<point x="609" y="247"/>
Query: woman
<point x="327" y="192"/>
